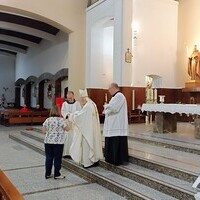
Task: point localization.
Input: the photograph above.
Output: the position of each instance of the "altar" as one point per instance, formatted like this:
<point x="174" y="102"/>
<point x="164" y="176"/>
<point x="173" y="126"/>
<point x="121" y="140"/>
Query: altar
<point x="166" y="116"/>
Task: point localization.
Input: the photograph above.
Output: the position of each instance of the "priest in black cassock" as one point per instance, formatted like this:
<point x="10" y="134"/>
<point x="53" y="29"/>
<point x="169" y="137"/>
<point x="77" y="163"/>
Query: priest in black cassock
<point x="115" y="128"/>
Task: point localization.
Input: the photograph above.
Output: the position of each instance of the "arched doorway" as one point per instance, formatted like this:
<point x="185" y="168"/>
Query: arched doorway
<point x="42" y="81"/>
<point x="60" y="79"/>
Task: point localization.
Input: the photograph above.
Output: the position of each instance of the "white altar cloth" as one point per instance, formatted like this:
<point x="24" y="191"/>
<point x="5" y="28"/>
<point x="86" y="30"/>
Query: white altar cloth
<point x="193" y="109"/>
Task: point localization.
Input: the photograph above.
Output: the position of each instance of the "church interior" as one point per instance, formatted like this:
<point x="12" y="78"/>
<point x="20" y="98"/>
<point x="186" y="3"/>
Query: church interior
<point x="150" y="48"/>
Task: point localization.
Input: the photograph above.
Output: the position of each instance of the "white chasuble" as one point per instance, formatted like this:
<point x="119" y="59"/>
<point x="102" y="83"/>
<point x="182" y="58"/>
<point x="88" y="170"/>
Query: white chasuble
<point x="116" y="116"/>
<point x="69" y="108"/>
<point x="86" y="148"/>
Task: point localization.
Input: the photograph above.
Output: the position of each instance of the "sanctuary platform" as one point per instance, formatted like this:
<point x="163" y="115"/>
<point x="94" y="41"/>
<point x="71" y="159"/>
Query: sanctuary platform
<point x="162" y="166"/>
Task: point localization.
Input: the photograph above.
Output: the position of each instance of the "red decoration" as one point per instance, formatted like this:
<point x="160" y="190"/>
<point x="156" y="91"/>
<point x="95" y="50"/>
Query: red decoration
<point x="59" y="102"/>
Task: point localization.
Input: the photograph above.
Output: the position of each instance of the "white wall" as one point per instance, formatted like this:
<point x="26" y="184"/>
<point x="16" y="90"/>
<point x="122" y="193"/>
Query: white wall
<point x="188" y="36"/>
<point x="7" y="77"/>
<point x="101" y="63"/>
<point x="48" y="57"/>
<point x="97" y="73"/>
<point x="108" y="55"/>
<point x="155" y="51"/>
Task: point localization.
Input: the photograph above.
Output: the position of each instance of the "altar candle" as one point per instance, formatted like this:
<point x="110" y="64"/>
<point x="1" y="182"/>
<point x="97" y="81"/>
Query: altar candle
<point x="147" y="95"/>
<point x="151" y="94"/>
<point x="155" y="94"/>
<point x="106" y="97"/>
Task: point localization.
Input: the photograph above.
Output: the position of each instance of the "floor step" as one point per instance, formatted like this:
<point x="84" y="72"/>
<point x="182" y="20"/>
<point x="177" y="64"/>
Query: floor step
<point x="163" y="168"/>
<point x="169" y="185"/>
<point x="176" y="144"/>
<point x="180" y="161"/>
<point x="139" y="155"/>
<point x="29" y="142"/>
<point x="131" y="185"/>
<point x="115" y="182"/>
<point x="34" y="135"/>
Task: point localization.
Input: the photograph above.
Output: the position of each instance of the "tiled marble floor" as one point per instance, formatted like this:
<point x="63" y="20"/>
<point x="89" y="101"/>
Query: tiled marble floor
<point x="184" y="130"/>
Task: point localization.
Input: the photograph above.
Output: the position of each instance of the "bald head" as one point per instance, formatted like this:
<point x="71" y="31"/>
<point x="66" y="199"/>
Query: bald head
<point x="114" y="85"/>
<point x="70" y="96"/>
<point x="113" y="88"/>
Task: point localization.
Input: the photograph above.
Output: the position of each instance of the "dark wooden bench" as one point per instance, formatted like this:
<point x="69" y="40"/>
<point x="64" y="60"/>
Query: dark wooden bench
<point x="30" y="117"/>
<point x="17" y="117"/>
<point x="39" y="116"/>
<point x="2" y="112"/>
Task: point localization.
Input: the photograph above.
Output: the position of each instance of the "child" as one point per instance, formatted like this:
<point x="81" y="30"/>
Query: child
<point x="55" y="128"/>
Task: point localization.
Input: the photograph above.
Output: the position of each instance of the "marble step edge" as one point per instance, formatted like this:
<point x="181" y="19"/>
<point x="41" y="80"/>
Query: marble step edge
<point x="39" y="130"/>
<point x="162" y="136"/>
<point x="165" y="145"/>
<point x="88" y="175"/>
<point x="105" y="182"/>
<point x="152" y="182"/>
<point x="163" y="168"/>
<point x="33" y="136"/>
<point x="150" y="164"/>
<point x="154" y="142"/>
<point x="26" y="143"/>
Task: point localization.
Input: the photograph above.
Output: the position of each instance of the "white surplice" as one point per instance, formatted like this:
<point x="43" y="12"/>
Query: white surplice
<point x="86" y="148"/>
<point x="69" y="108"/>
<point x="116" y="119"/>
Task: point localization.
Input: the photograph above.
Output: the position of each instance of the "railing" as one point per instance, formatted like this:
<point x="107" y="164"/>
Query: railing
<point x="7" y="190"/>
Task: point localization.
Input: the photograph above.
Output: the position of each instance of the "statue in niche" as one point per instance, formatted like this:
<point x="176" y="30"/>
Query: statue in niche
<point x="194" y="64"/>
<point x="49" y="91"/>
<point x="35" y="91"/>
<point x="149" y="90"/>
<point x="23" y="92"/>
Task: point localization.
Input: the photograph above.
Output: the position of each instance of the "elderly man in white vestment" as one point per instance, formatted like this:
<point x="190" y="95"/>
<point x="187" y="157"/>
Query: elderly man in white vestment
<point x="116" y="127"/>
<point x="86" y="148"/>
<point x="69" y="106"/>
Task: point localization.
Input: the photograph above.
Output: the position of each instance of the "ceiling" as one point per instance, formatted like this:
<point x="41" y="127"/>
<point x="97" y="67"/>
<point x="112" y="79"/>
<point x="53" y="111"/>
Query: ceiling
<point x="18" y="33"/>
